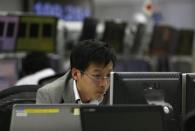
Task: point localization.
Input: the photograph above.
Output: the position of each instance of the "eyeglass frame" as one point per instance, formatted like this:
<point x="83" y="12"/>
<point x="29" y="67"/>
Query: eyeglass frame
<point x="95" y="78"/>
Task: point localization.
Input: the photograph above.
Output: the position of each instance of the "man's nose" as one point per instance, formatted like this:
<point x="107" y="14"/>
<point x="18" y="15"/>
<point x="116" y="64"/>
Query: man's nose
<point x="104" y="83"/>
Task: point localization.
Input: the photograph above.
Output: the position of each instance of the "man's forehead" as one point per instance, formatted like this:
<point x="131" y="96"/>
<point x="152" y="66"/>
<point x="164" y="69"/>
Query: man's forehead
<point x="100" y="67"/>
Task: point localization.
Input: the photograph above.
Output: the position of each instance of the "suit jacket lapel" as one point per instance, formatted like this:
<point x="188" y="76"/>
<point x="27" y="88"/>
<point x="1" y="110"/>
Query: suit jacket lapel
<point x="68" y="95"/>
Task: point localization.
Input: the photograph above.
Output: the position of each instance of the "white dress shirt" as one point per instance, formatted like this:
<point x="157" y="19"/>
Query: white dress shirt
<point x="33" y="79"/>
<point x="78" y="99"/>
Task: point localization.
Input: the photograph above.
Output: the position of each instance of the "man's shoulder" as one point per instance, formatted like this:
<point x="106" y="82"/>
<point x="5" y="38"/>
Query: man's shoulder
<point x="58" y="83"/>
<point x="54" y="91"/>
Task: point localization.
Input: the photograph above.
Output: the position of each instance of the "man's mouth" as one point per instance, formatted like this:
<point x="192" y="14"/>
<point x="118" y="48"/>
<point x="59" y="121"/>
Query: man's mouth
<point x="101" y="92"/>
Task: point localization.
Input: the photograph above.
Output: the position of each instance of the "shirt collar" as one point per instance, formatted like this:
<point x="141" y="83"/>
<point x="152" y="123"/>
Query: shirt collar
<point x="78" y="98"/>
<point x="76" y="93"/>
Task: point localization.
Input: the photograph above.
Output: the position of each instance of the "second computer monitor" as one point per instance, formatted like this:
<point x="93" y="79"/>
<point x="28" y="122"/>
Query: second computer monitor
<point x="147" y="88"/>
<point x="190" y="92"/>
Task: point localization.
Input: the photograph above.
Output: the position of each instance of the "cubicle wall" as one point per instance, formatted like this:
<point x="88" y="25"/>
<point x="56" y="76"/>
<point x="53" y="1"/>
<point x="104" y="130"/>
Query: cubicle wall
<point x="8" y="33"/>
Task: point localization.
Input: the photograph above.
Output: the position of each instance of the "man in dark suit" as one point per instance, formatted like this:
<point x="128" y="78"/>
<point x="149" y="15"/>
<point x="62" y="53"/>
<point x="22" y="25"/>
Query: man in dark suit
<point x="87" y="81"/>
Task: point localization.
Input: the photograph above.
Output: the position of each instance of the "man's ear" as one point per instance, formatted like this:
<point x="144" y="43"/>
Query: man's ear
<point x="75" y="73"/>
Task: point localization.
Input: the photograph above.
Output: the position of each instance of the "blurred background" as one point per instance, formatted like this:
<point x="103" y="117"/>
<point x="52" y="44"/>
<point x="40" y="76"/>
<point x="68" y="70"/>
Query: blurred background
<point x="147" y="35"/>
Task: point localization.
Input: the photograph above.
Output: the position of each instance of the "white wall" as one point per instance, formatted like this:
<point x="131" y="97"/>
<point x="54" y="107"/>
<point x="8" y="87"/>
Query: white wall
<point x="180" y="15"/>
<point x="122" y="10"/>
<point x="177" y="13"/>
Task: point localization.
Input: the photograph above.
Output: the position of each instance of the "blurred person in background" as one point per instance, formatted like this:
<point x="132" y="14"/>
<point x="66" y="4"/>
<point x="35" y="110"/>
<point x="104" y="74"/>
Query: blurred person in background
<point x="35" y="66"/>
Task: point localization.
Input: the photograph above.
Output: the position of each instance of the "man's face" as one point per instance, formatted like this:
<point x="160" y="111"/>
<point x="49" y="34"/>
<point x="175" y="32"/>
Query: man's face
<point x="94" y="81"/>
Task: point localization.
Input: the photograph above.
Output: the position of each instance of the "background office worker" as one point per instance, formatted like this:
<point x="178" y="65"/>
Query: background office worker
<point x="87" y="81"/>
<point x="35" y="66"/>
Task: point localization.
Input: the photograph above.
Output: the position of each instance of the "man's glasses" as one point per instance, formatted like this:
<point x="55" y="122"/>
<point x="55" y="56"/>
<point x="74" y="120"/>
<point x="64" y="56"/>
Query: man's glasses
<point x="96" y="78"/>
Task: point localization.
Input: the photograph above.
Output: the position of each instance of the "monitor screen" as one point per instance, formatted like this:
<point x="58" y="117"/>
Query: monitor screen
<point x="190" y="92"/>
<point x="68" y="10"/>
<point x="114" y="34"/>
<point x="159" y="88"/>
<point x="37" y="33"/>
<point x="8" y="33"/>
<point x="185" y="42"/>
<point x="8" y="74"/>
<point x="124" y="118"/>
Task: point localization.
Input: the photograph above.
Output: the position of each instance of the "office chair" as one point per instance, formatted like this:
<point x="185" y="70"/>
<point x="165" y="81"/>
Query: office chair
<point x="120" y="65"/>
<point x="24" y="94"/>
<point x="18" y="92"/>
<point x="163" y="40"/>
<point x="138" y="65"/>
<point x="133" y="65"/>
<point x="49" y="79"/>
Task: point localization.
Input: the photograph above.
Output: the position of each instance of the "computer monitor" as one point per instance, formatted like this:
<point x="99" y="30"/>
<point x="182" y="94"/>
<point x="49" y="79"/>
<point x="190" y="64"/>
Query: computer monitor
<point x="190" y="92"/>
<point x="123" y="117"/>
<point x="68" y="10"/>
<point x="8" y="33"/>
<point x="8" y="74"/>
<point x="37" y="33"/>
<point x="89" y="29"/>
<point x="45" y="117"/>
<point x="185" y="42"/>
<point x="159" y="88"/>
<point x="114" y="34"/>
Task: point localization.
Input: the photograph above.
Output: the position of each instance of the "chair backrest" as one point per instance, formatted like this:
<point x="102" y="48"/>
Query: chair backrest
<point x="19" y="92"/>
<point x="133" y="65"/>
<point x="49" y="79"/>
<point x="24" y="94"/>
<point x="163" y="40"/>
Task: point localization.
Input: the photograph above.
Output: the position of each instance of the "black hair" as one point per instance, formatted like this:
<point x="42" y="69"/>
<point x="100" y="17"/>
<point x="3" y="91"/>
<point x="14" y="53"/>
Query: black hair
<point x="34" y="61"/>
<point x="91" y="51"/>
